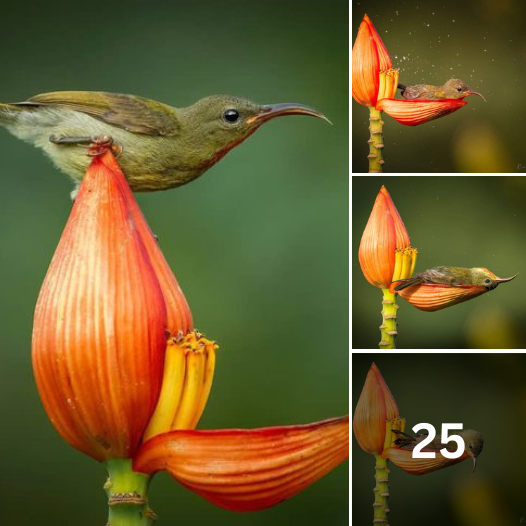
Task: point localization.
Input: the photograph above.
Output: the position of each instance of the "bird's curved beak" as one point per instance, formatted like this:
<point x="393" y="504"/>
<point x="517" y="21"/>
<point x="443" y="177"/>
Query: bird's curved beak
<point x="503" y="280"/>
<point x="474" y="464"/>
<point x="270" y="111"/>
<point x="472" y="92"/>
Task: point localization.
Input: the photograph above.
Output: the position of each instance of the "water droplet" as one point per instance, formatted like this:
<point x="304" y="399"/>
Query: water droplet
<point x="453" y="21"/>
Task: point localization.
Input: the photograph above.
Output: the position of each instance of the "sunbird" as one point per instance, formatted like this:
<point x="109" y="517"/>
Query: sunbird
<point x="441" y="287"/>
<point x="473" y="443"/>
<point x="452" y="89"/>
<point x="159" y="146"/>
<point x="454" y="276"/>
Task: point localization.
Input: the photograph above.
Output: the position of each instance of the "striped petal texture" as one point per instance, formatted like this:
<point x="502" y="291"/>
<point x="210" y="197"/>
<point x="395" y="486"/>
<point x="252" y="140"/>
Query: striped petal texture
<point x="432" y="297"/>
<point x="415" y="112"/>
<point x="252" y="469"/>
<point x="403" y="458"/>
<point x="100" y="321"/>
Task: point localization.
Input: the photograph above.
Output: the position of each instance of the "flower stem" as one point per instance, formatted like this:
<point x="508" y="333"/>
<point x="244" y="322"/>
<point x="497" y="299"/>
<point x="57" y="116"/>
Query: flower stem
<point x="388" y="327"/>
<point x="381" y="491"/>
<point x="376" y="142"/>
<point x="127" y="495"/>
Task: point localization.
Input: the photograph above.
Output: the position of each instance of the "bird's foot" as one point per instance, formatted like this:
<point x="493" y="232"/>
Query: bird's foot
<point x="97" y="144"/>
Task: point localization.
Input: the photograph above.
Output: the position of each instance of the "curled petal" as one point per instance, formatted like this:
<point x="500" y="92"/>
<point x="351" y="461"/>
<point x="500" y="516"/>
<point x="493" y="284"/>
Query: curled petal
<point x="375" y="406"/>
<point x="100" y="321"/>
<point x="431" y="297"/>
<point x="415" y="112"/>
<point x="248" y="469"/>
<point x="179" y="316"/>
<point x="403" y="458"/>
<point x="365" y="65"/>
<point x="383" y="234"/>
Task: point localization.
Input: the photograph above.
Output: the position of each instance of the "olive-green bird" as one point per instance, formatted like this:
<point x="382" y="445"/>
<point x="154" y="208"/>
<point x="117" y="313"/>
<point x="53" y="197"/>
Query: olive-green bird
<point x="454" y="276"/>
<point x="452" y="89"/>
<point x="160" y="147"/>
<point x="473" y="442"/>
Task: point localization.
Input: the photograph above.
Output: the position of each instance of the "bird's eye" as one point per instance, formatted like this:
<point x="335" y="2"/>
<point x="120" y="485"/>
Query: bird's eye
<point x="231" y="115"/>
<point x="487" y="280"/>
<point x="459" y="89"/>
<point x="470" y="446"/>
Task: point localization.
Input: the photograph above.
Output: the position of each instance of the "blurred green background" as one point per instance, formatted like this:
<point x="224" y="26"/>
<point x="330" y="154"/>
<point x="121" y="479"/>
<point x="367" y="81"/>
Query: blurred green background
<point x="454" y="221"/>
<point x="259" y="243"/>
<point x="482" y="42"/>
<point x="485" y="392"/>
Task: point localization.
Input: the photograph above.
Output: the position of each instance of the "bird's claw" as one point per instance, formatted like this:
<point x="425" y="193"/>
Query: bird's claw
<point x="97" y="144"/>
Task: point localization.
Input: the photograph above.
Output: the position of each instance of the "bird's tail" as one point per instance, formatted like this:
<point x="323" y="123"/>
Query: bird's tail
<point x="405" y="283"/>
<point x="8" y="113"/>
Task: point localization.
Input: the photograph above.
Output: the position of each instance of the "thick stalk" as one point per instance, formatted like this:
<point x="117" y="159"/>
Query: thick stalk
<point x="127" y="495"/>
<point x="388" y="327"/>
<point x="381" y="491"/>
<point x="376" y="142"/>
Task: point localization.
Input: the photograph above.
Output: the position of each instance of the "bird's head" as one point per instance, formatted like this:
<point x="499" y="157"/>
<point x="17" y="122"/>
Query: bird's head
<point x="458" y="89"/>
<point x="216" y="124"/>
<point x="473" y="444"/>
<point x="482" y="277"/>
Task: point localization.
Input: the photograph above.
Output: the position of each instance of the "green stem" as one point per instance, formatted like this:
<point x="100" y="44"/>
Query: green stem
<point x="127" y="493"/>
<point x="376" y="142"/>
<point x="381" y="491"/>
<point x="388" y="327"/>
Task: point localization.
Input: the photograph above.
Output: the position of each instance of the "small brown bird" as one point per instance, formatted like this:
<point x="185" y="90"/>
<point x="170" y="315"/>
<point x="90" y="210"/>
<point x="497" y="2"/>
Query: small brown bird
<point x="452" y="89"/>
<point x="455" y="277"/>
<point x="160" y="146"/>
<point x="473" y="442"/>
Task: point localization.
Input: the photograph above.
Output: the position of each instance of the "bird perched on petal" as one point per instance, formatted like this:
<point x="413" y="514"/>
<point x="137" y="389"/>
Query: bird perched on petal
<point x="160" y="146"/>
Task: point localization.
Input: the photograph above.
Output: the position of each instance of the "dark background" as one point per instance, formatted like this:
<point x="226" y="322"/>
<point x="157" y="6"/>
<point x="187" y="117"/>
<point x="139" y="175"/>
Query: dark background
<point x="485" y="392"/>
<point x="453" y="221"/>
<point x="259" y="243"/>
<point x="482" y="42"/>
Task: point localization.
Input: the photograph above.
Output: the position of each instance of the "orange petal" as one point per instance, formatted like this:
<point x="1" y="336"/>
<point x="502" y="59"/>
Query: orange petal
<point x="99" y="327"/>
<point x="415" y="112"/>
<point x="375" y="406"/>
<point x="248" y="469"/>
<point x="179" y="316"/>
<point x="431" y="297"/>
<point x="403" y="458"/>
<point x="384" y="232"/>
<point x="402" y="236"/>
<point x="383" y="55"/>
<point x="365" y="66"/>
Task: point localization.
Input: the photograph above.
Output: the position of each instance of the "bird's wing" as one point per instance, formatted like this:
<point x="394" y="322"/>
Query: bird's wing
<point x="135" y="114"/>
<point x="439" y="275"/>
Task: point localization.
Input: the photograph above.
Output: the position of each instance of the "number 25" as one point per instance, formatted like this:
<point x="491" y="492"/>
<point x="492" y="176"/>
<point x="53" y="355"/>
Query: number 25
<point x="417" y="451"/>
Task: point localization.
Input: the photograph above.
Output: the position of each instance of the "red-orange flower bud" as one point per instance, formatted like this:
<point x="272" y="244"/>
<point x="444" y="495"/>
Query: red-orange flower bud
<point x="414" y="112"/>
<point x="385" y="232"/>
<point x="375" y="406"/>
<point x="248" y="469"/>
<point x="99" y="329"/>
<point x="369" y="57"/>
